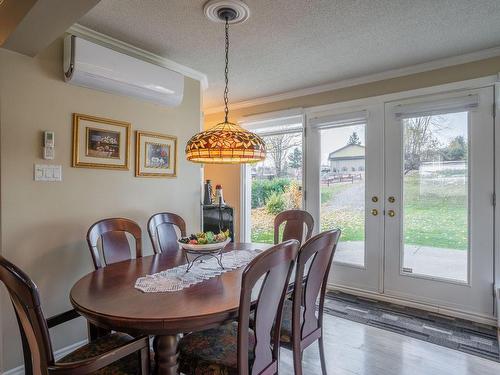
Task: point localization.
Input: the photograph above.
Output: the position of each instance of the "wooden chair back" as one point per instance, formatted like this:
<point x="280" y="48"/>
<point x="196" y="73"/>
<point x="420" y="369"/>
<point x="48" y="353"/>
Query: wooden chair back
<point x="273" y="267"/>
<point x="311" y="276"/>
<point x="114" y="243"/>
<point x="294" y="220"/>
<point x="38" y="354"/>
<point x="161" y="228"/>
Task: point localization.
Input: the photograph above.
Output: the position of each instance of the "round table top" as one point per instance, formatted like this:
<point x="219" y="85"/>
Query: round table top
<point x="107" y="297"/>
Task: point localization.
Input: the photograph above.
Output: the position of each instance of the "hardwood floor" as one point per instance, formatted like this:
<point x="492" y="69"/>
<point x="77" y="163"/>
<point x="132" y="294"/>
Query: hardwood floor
<point x="357" y="349"/>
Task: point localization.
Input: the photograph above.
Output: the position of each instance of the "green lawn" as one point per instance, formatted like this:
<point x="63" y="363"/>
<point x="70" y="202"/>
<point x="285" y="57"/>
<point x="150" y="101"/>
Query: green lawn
<point x="438" y="217"/>
<point x="435" y="216"/>
<point x="327" y="192"/>
<point x="263" y="236"/>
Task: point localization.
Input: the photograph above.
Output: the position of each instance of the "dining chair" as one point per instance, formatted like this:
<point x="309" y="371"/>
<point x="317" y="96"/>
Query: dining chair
<point x="114" y="243"/>
<point x="161" y="228"/>
<point x="294" y="220"/>
<point x="300" y="325"/>
<point x="116" y="354"/>
<point x="234" y="348"/>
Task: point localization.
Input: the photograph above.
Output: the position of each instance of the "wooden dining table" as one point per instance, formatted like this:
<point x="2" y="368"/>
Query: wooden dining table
<point x="108" y="299"/>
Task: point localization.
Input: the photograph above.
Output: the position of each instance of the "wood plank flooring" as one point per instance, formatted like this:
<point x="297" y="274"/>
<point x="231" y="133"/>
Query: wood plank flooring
<point x="357" y="349"/>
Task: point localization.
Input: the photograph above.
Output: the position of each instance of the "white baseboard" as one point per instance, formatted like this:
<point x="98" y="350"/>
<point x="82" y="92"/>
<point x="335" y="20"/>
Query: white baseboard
<point x="58" y="354"/>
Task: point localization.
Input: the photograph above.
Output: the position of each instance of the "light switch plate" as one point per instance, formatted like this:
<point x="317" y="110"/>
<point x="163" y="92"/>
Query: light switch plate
<point x="47" y="172"/>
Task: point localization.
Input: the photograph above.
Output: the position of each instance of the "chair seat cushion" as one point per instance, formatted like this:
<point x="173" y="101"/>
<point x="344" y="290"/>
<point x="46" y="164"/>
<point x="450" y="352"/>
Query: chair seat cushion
<point x="286" y="323"/>
<point x="125" y="366"/>
<point x="213" y="352"/>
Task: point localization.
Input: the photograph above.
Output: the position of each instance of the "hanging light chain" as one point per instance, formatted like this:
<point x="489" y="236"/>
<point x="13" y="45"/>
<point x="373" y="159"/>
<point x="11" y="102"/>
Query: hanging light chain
<point x="226" y="73"/>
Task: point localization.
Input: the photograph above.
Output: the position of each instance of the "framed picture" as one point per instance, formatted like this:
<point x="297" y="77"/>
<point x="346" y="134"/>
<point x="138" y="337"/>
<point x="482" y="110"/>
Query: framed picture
<point x="100" y="143"/>
<point x="155" y="155"/>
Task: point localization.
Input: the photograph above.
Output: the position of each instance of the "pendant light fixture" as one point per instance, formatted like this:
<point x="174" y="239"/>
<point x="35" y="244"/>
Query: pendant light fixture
<point x="226" y="142"/>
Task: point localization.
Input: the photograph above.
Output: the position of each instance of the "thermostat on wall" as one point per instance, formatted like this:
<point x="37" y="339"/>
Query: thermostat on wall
<point x="48" y="139"/>
<point x="48" y="145"/>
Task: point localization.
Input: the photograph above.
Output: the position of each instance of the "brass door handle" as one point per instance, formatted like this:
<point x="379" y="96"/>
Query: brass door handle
<point x="391" y="213"/>
<point x="391" y="199"/>
<point x="374" y="199"/>
<point x="374" y="212"/>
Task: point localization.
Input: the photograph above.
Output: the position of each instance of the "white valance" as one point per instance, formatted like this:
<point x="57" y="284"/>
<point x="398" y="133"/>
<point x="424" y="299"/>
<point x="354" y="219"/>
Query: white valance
<point x="288" y="121"/>
<point x="438" y="107"/>
<point x="343" y="119"/>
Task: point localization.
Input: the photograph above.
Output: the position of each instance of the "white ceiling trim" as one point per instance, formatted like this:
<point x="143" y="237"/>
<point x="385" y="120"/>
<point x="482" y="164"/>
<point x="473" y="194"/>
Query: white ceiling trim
<point x="394" y="73"/>
<point x="139" y="53"/>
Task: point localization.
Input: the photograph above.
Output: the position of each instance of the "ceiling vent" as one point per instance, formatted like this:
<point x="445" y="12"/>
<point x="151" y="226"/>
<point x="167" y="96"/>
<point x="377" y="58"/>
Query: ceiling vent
<point x="91" y="65"/>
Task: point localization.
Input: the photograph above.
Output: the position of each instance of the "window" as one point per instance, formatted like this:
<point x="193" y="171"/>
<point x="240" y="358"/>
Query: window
<point x="342" y="196"/>
<point x="436" y="195"/>
<point x="275" y="184"/>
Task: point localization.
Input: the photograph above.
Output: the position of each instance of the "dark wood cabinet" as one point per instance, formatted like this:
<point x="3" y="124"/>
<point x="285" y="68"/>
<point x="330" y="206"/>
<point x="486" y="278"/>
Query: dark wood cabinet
<point x="215" y="218"/>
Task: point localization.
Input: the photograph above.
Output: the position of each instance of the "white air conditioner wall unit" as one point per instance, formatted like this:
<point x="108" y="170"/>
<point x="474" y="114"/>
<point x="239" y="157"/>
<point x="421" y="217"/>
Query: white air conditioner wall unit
<point x="91" y="65"/>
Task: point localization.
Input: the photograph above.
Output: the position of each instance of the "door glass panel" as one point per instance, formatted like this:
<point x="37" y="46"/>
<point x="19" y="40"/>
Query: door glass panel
<point x="276" y="183"/>
<point x="435" y="196"/>
<point x="343" y="189"/>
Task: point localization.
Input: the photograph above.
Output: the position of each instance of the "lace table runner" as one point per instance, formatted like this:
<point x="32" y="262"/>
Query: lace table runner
<point x="175" y="279"/>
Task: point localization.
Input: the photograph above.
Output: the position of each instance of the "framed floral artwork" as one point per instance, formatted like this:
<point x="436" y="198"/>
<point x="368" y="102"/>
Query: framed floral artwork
<point x="100" y="143"/>
<point x="155" y="155"/>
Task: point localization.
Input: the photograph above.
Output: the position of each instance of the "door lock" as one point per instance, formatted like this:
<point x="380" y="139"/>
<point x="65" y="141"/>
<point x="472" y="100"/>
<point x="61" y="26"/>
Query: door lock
<point x="391" y="213"/>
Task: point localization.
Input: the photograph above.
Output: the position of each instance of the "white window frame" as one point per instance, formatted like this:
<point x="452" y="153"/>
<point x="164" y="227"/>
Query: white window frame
<point x="262" y="121"/>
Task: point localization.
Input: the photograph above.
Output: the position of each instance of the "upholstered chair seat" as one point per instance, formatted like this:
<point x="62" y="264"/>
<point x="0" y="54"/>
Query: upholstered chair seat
<point x="213" y="352"/>
<point x="125" y="366"/>
<point x="286" y="324"/>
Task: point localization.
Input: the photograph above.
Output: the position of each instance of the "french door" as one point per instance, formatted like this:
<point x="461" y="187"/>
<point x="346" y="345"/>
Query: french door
<point x="347" y="147"/>
<point x="439" y="184"/>
<point x="410" y="184"/>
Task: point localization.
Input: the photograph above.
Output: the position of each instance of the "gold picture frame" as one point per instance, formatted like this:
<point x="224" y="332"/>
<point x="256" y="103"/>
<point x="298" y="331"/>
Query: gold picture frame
<point x="155" y="155"/>
<point x="100" y="143"/>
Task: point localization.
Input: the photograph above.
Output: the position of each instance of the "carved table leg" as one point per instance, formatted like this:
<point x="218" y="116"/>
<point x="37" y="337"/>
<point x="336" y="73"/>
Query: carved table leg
<point x="166" y="355"/>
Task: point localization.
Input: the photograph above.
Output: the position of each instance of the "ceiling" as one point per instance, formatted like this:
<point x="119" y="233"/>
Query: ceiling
<point x="293" y="44"/>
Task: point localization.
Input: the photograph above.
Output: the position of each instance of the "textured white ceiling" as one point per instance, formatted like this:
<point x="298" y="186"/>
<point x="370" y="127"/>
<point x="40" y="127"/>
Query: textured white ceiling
<point x="291" y="44"/>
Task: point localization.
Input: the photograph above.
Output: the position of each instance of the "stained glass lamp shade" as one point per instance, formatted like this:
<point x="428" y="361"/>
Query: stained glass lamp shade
<point x="225" y="143"/>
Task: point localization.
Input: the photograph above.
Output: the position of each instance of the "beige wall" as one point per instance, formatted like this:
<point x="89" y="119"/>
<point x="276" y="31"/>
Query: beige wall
<point x="229" y="177"/>
<point x="43" y="225"/>
<point x="231" y="173"/>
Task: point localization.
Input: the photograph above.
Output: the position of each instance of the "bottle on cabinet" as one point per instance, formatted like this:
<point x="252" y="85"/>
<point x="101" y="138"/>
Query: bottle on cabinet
<point x="219" y="197"/>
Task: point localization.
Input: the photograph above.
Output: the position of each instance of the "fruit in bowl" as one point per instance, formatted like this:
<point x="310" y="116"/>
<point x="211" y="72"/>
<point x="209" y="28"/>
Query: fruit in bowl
<point x="205" y="241"/>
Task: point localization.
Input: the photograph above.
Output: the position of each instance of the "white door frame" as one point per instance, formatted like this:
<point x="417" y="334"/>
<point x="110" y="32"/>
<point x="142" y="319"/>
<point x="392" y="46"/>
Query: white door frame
<point x="449" y="87"/>
<point x="497" y="196"/>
